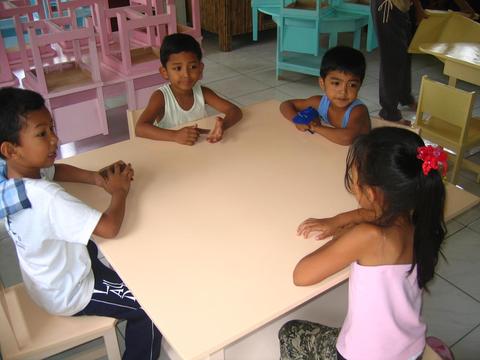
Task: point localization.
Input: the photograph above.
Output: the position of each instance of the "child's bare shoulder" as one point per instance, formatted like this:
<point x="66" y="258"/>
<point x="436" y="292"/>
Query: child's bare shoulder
<point x="360" y="116"/>
<point x="366" y="233"/>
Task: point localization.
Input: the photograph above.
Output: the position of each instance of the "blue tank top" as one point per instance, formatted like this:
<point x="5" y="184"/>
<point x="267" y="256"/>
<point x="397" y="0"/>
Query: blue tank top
<point x="325" y="104"/>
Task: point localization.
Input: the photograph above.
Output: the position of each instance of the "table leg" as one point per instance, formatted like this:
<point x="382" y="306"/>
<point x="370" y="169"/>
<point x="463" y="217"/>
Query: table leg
<point x="224" y="25"/>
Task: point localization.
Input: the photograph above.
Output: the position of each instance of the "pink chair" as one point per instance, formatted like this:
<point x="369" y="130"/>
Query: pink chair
<point x="133" y="61"/>
<point x="72" y="89"/>
<point x="19" y="11"/>
<point x="160" y="6"/>
<point x="6" y="76"/>
<point x="72" y="8"/>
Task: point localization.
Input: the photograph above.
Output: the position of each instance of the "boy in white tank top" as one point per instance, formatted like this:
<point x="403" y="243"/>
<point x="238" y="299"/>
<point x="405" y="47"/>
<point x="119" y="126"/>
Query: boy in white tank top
<point x="182" y="100"/>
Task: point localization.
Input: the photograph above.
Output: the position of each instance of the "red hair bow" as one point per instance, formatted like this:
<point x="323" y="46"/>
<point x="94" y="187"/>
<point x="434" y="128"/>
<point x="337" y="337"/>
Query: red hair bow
<point x="432" y="157"/>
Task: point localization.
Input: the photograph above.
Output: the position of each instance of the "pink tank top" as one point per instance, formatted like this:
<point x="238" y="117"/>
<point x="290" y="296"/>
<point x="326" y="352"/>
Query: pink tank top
<point x="383" y="320"/>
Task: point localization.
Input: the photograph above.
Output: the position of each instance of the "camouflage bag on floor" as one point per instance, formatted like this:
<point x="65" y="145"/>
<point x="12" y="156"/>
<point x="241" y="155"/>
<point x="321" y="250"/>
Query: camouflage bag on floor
<point x="304" y="340"/>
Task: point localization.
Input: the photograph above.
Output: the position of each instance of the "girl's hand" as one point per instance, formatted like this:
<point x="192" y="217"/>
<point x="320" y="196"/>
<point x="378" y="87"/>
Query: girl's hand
<point x="324" y="227"/>
<point x="187" y="135"/>
<point x="217" y="132"/>
<point x="118" y="179"/>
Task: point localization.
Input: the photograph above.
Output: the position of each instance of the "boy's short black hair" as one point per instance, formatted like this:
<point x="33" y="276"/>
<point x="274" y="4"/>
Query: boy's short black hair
<point x="14" y="105"/>
<point x="344" y="59"/>
<point x="177" y="43"/>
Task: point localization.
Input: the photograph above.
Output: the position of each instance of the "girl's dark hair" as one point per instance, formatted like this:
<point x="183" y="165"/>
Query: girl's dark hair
<point x="177" y="43"/>
<point x="386" y="159"/>
<point x="344" y="59"/>
<point x="14" y="105"/>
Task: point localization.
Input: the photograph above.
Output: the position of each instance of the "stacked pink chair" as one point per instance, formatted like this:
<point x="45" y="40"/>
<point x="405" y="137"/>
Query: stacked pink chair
<point x="71" y="87"/>
<point x="71" y="9"/>
<point x="6" y="76"/>
<point x="21" y="12"/>
<point x="134" y="58"/>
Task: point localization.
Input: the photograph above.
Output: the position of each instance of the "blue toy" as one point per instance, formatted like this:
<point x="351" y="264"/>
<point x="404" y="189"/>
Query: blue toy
<point x="306" y="116"/>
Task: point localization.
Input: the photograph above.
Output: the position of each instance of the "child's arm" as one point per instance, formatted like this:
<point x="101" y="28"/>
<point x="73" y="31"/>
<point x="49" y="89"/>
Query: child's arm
<point x="336" y="255"/>
<point x="331" y="226"/>
<point x="69" y="173"/>
<point x="117" y="183"/>
<point x="290" y="108"/>
<point x="358" y="124"/>
<point x="156" y="108"/>
<point x="233" y="114"/>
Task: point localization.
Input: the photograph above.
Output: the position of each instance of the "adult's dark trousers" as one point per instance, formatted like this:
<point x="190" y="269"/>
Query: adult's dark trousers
<point x="394" y="35"/>
<point x="112" y="298"/>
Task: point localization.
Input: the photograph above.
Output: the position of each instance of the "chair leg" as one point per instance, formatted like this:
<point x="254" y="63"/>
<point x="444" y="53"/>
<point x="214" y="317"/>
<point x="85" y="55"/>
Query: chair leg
<point x="332" y="39"/>
<point x="457" y="166"/>
<point x="357" y="36"/>
<point x="111" y="344"/>
<point x="255" y="24"/>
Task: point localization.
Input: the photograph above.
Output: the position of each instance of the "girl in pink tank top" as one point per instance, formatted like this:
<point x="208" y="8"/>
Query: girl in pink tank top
<point x="391" y="244"/>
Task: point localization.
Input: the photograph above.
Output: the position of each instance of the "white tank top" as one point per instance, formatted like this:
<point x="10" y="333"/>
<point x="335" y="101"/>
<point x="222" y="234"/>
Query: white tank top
<point x="174" y="115"/>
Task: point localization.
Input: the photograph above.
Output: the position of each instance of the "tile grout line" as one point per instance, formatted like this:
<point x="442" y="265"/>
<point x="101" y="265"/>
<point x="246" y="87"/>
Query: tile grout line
<point x="458" y="288"/>
<point x="464" y="336"/>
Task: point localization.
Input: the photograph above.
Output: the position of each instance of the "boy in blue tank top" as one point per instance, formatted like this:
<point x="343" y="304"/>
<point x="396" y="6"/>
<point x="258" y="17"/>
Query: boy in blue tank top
<point x="341" y="116"/>
<point x="182" y="99"/>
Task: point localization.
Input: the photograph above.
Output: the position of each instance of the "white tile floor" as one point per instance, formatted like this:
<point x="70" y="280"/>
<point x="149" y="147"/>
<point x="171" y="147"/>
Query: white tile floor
<point x="246" y="76"/>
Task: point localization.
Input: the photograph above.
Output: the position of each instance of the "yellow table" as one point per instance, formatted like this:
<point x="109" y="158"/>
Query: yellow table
<point x="461" y="59"/>
<point x="209" y="240"/>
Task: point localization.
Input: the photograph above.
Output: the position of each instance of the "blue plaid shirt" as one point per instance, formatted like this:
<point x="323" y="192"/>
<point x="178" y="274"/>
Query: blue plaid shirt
<point x="13" y="195"/>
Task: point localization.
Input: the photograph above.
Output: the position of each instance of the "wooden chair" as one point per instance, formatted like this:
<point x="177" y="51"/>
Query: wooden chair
<point x="444" y="117"/>
<point x="135" y="58"/>
<point x="160" y="6"/>
<point x="18" y="13"/>
<point x="299" y="27"/>
<point x="28" y="332"/>
<point x="132" y="117"/>
<point x="379" y="122"/>
<point x="269" y="7"/>
<point x="361" y="9"/>
<point x="444" y="27"/>
<point x="79" y="11"/>
<point x="272" y="8"/>
<point x="72" y="89"/>
<point x="6" y="76"/>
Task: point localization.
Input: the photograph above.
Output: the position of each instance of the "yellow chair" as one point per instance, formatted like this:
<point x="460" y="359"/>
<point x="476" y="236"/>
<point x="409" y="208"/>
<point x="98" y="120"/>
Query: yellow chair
<point x="132" y="117"/>
<point x="444" y="27"/>
<point x="379" y="122"/>
<point x="27" y="332"/>
<point x="444" y="117"/>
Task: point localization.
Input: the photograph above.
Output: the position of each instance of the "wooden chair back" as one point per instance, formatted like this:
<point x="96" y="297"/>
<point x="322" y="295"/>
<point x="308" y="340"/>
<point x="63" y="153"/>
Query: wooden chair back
<point x="132" y="117"/>
<point x="28" y="332"/>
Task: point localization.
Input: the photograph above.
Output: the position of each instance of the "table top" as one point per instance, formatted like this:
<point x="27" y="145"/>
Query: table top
<point x="209" y="243"/>
<point x="466" y="53"/>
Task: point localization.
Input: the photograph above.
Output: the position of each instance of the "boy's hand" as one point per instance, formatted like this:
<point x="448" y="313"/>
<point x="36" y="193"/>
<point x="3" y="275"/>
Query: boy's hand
<point x="325" y="228"/>
<point x="187" y="135"/>
<point x="217" y="132"/>
<point x="302" y="127"/>
<point x="118" y="179"/>
<point x="99" y="179"/>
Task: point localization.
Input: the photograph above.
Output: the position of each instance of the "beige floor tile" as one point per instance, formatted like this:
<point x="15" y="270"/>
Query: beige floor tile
<point x="469" y="347"/>
<point x="462" y="261"/>
<point x="448" y="312"/>
<point x="237" y="86"/>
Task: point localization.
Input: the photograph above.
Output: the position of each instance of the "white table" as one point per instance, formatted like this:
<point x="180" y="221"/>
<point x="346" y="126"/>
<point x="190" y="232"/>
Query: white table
<point x="209" y="240"/>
